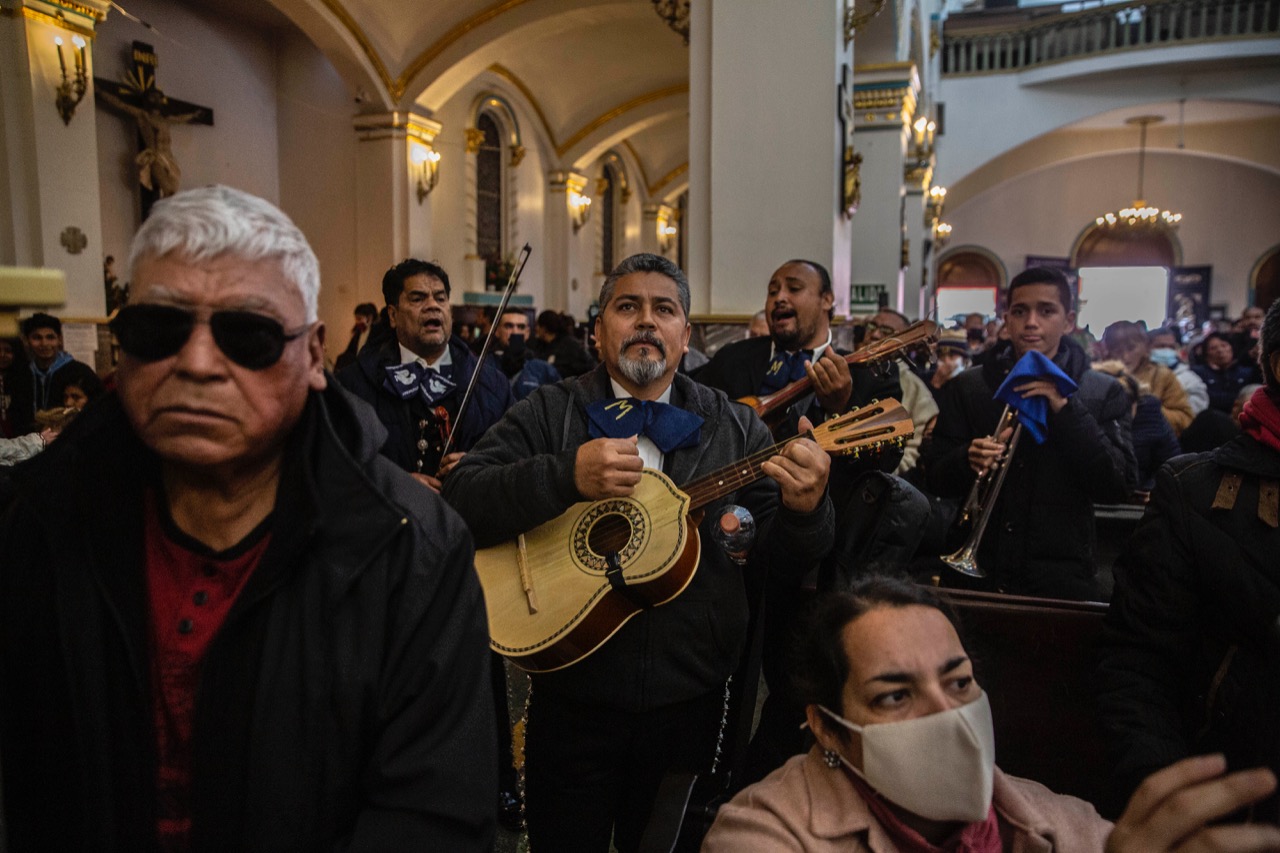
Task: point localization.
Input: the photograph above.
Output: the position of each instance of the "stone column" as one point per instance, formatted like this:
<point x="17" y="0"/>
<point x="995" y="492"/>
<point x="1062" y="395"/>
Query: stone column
<point x="884" y="103"/>
<point x="563" y="189"/>
<point x="764" y="186"/>
<point x="50" y="214"/>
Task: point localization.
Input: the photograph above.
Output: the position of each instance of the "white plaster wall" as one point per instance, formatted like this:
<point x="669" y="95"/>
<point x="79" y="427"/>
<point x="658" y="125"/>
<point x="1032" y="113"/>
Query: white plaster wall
<point x="205" y="60"/>
<point x="1230" y="214"/>
<point x="317" y="162"/>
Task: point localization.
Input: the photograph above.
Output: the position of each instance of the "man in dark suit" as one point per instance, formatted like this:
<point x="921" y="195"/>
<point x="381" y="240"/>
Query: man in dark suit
<point x="366" y="315"/>
<point x="798" y="309"/>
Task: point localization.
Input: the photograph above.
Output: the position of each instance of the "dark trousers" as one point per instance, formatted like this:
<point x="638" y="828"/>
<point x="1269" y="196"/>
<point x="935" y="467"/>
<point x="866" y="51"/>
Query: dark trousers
<point x="592" y="773"/>
<point x="508" y="779"/>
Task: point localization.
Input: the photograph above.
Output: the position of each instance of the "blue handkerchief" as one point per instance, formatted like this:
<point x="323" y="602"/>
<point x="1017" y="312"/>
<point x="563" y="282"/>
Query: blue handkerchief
<point x="413" y="379"/>
<point x="1033" y="412"/>
<point x="668" y="427"/>
<point x="785" y="368"/>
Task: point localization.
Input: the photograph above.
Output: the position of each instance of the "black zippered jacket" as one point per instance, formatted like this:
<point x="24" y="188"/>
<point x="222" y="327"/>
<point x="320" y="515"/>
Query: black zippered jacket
<point x="344" y="704"/>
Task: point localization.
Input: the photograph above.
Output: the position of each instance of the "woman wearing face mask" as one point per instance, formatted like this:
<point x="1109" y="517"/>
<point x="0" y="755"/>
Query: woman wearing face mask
<point x="1126" y="342"/>
<point x="904" y="759"/>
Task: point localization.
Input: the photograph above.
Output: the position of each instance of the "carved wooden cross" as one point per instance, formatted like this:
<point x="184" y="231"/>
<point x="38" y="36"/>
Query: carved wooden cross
<point x="153" y="112"/>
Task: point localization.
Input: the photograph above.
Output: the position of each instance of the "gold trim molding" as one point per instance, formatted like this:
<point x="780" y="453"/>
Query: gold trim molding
<point x="506" y="74"/>
<point x="394" y="88"/>
<point x="623" y="108"/>
<point x="446" y="41"/>
<point x="394" y="124"/>
<point x="48" y="20"/>
<point x="668" y="178"/>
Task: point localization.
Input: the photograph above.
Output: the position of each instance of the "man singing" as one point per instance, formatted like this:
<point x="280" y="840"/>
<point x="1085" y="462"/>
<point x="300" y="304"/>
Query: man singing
<point x="416" y="381"/>
<point x="227" y="623"/>
<point x="603" y="731"/>
<point x="1041" y="537"/>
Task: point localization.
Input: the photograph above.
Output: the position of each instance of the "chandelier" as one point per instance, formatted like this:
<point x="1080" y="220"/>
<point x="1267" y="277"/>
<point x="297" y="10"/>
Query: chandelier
<point x="1140" y="215"/>
<point x="676" y="14"/>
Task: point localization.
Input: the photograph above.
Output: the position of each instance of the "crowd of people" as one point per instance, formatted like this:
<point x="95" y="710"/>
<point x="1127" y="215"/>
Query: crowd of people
<point x="240" y="605"/>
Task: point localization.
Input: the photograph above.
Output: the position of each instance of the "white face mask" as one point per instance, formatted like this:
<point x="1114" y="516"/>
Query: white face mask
<point x="939" y="767"/>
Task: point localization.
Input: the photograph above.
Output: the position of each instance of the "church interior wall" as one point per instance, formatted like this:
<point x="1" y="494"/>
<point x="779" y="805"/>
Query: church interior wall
<point x="317" y="157"/>
<point x="1230" y="217"/>
<point x="204" y="59"/>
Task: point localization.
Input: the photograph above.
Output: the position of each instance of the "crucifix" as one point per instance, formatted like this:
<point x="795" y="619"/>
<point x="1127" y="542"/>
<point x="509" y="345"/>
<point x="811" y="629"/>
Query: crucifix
<point x="152" y="112"/>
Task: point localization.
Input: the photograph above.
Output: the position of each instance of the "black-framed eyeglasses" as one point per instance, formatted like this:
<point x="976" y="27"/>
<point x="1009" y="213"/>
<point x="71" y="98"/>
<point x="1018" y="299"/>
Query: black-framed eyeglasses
<point x="154" y="332"/>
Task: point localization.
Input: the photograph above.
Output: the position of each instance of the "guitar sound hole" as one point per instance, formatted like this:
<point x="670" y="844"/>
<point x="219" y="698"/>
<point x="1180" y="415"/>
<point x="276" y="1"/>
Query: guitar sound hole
<point x="610" y="534"/>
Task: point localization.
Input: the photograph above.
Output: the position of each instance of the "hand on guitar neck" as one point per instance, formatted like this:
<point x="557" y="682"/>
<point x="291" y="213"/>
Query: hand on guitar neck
<point x="800" y="471"/>
<point x="610" y="468"/>
<point x="832" y="381"/>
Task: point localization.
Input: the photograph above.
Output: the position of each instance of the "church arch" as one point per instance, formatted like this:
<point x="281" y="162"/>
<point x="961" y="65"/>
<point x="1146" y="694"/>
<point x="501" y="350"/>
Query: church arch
<point x="1102" y="246"/>
<point x="1264" y="280"/>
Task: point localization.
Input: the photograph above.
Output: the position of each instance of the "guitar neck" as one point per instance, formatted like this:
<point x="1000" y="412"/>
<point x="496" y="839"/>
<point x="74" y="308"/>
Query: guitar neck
<point x="730" y="478"/>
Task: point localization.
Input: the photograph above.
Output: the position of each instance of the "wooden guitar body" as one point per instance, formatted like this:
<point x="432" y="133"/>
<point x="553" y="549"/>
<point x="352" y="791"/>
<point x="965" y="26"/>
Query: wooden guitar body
<point x="577" y="607"/>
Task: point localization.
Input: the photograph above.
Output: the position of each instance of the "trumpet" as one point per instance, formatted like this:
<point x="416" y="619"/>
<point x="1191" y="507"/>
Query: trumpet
<point x="982" y="498"/>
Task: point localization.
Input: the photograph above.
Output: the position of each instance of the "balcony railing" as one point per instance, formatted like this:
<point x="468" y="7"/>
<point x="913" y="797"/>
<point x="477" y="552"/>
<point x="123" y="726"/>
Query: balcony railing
<point x="1107" y="29"/>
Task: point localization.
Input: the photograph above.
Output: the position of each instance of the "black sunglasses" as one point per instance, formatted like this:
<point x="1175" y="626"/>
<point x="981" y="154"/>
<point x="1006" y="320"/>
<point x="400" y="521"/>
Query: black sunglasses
<point x="155" y="332"/>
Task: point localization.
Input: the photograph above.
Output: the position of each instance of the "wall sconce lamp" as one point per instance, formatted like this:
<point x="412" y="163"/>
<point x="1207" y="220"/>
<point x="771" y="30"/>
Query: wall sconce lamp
<point x="941" y="234"/>
<point x="71" y="92"/>
<point x="426" y="165"/>
<point x="667" y="237"/>
<point x="579" y="210"/>
<point x="933" y="206"/>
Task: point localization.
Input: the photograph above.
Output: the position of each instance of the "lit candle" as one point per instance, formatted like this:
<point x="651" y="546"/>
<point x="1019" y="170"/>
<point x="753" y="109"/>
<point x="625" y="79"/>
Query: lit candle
<point x="80" y="62"/>
<point x="61" y="62"/>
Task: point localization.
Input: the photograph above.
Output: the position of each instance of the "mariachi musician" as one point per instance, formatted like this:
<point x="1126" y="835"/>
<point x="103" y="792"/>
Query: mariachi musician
<point x="602" y="732"/>
<point x="415" y="383"/>
<point x="1040" y="540"/>
<point x="798" y="310"/>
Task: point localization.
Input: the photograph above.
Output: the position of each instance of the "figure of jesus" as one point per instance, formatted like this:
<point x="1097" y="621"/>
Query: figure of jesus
<point x="157" y="168"/>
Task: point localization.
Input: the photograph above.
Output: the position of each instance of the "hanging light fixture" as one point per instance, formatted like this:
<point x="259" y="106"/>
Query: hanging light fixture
<point x="1141" y="215"/>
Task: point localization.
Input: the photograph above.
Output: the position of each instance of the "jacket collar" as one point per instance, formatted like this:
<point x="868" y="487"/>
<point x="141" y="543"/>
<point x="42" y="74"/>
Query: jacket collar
<point x="1249" y="456"/>
<point x="837" y="811"/>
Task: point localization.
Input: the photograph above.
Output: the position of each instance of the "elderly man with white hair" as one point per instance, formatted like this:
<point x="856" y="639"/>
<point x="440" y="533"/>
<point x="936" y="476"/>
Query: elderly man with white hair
<point x="227" y="623"/>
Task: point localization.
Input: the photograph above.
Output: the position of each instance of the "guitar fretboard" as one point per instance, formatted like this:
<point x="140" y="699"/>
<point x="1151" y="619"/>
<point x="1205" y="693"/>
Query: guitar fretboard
<point x="730" y="478"/>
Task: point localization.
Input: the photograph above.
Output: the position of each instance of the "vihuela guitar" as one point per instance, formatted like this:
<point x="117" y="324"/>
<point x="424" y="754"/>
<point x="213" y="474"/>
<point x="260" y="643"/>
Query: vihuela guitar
<point x="559" y="591"/>
<point x="772" y="408"/>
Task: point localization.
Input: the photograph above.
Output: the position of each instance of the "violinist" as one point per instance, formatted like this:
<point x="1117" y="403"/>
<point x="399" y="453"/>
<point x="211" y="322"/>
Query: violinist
<point x="415" y="383"/>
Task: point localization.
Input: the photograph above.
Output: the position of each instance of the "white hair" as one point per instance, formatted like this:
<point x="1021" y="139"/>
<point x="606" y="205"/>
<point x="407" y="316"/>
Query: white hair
<point x="205" y="223"/>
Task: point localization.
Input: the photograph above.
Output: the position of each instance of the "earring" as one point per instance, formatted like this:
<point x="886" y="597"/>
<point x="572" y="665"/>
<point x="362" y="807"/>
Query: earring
<point x="831" y="758"/>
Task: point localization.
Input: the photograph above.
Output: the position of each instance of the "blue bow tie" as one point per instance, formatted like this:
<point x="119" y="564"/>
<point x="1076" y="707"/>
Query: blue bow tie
<point x="1034" y="411"/>
<point x="413" y="379"/>
<point x="786" y="367"/>
<point x="668" y="427"/>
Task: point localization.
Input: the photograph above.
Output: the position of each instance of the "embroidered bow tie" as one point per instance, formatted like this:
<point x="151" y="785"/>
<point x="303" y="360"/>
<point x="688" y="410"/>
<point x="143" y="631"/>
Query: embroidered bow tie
<point x="408" y="380"/>
<point x="1034" y="411"/>
<point x="786" y="367"/>
<point x="668" y="427"/>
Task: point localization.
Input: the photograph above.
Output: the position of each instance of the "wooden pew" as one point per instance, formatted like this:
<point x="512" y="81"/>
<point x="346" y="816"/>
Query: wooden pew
<point x="1035" y="658"/>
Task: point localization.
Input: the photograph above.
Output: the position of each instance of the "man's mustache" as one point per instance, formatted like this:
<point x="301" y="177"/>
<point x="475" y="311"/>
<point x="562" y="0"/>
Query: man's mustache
<point x="645" y="338"/>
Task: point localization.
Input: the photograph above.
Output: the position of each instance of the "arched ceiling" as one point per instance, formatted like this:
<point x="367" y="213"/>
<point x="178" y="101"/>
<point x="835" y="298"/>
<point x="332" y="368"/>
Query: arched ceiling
<point x="598" y="73"/>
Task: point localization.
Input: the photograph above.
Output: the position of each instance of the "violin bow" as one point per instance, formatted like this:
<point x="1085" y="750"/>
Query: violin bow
<point x="488" y="343"/>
